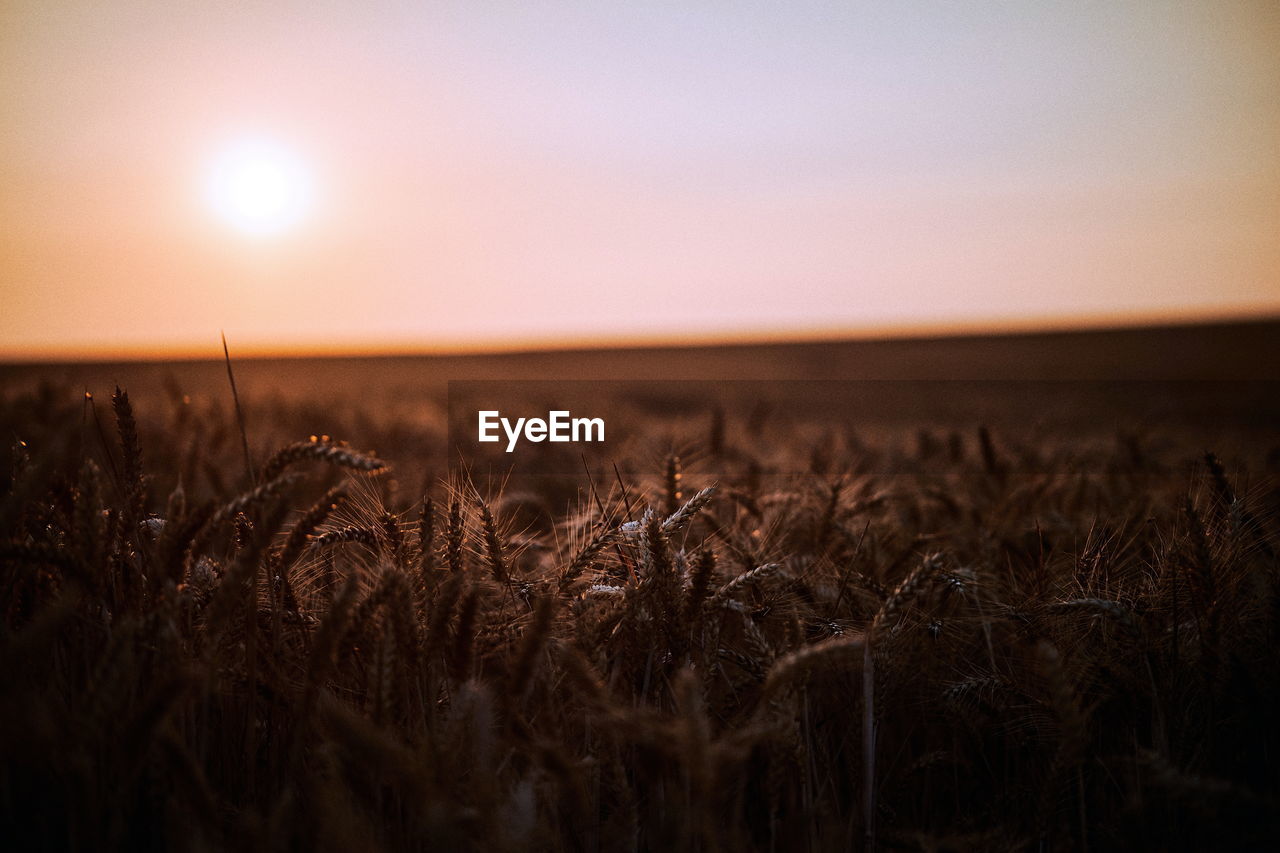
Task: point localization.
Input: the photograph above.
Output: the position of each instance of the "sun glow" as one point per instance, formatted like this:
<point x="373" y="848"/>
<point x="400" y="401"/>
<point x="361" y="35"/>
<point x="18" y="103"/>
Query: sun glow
<point x="260" y="187"/>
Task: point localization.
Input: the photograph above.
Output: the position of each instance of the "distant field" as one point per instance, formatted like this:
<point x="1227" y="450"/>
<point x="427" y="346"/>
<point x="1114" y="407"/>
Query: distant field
<point x="1226" y="351"/>
<point x="978" y="594"/>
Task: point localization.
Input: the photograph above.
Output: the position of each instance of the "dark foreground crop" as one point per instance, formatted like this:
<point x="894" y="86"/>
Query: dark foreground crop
<point x="997" y="647"/>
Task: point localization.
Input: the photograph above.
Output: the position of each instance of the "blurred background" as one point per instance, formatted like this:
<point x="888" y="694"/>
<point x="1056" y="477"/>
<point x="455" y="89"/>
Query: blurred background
<point x="340" y="178"/>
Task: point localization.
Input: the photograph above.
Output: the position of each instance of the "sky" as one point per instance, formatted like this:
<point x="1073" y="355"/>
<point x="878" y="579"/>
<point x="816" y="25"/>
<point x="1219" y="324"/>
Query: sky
<point x="482" y="175"/>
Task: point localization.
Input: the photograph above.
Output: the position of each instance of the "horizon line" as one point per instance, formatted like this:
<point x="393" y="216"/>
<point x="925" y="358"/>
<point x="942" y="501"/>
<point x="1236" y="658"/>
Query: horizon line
<point x="535" y="344"/>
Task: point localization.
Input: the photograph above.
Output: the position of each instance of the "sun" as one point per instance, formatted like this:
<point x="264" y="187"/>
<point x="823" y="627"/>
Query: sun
<point x="260" y="187"/>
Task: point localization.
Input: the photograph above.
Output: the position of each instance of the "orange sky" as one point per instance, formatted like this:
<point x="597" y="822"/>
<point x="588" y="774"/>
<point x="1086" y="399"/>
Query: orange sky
<point x="488" y="175"/>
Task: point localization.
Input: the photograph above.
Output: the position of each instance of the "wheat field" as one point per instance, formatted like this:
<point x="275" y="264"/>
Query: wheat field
<point x="750" y="630"/>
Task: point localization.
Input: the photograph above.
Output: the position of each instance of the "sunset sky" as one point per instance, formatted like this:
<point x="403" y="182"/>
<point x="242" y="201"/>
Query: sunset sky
<point x="475" y="174"/>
